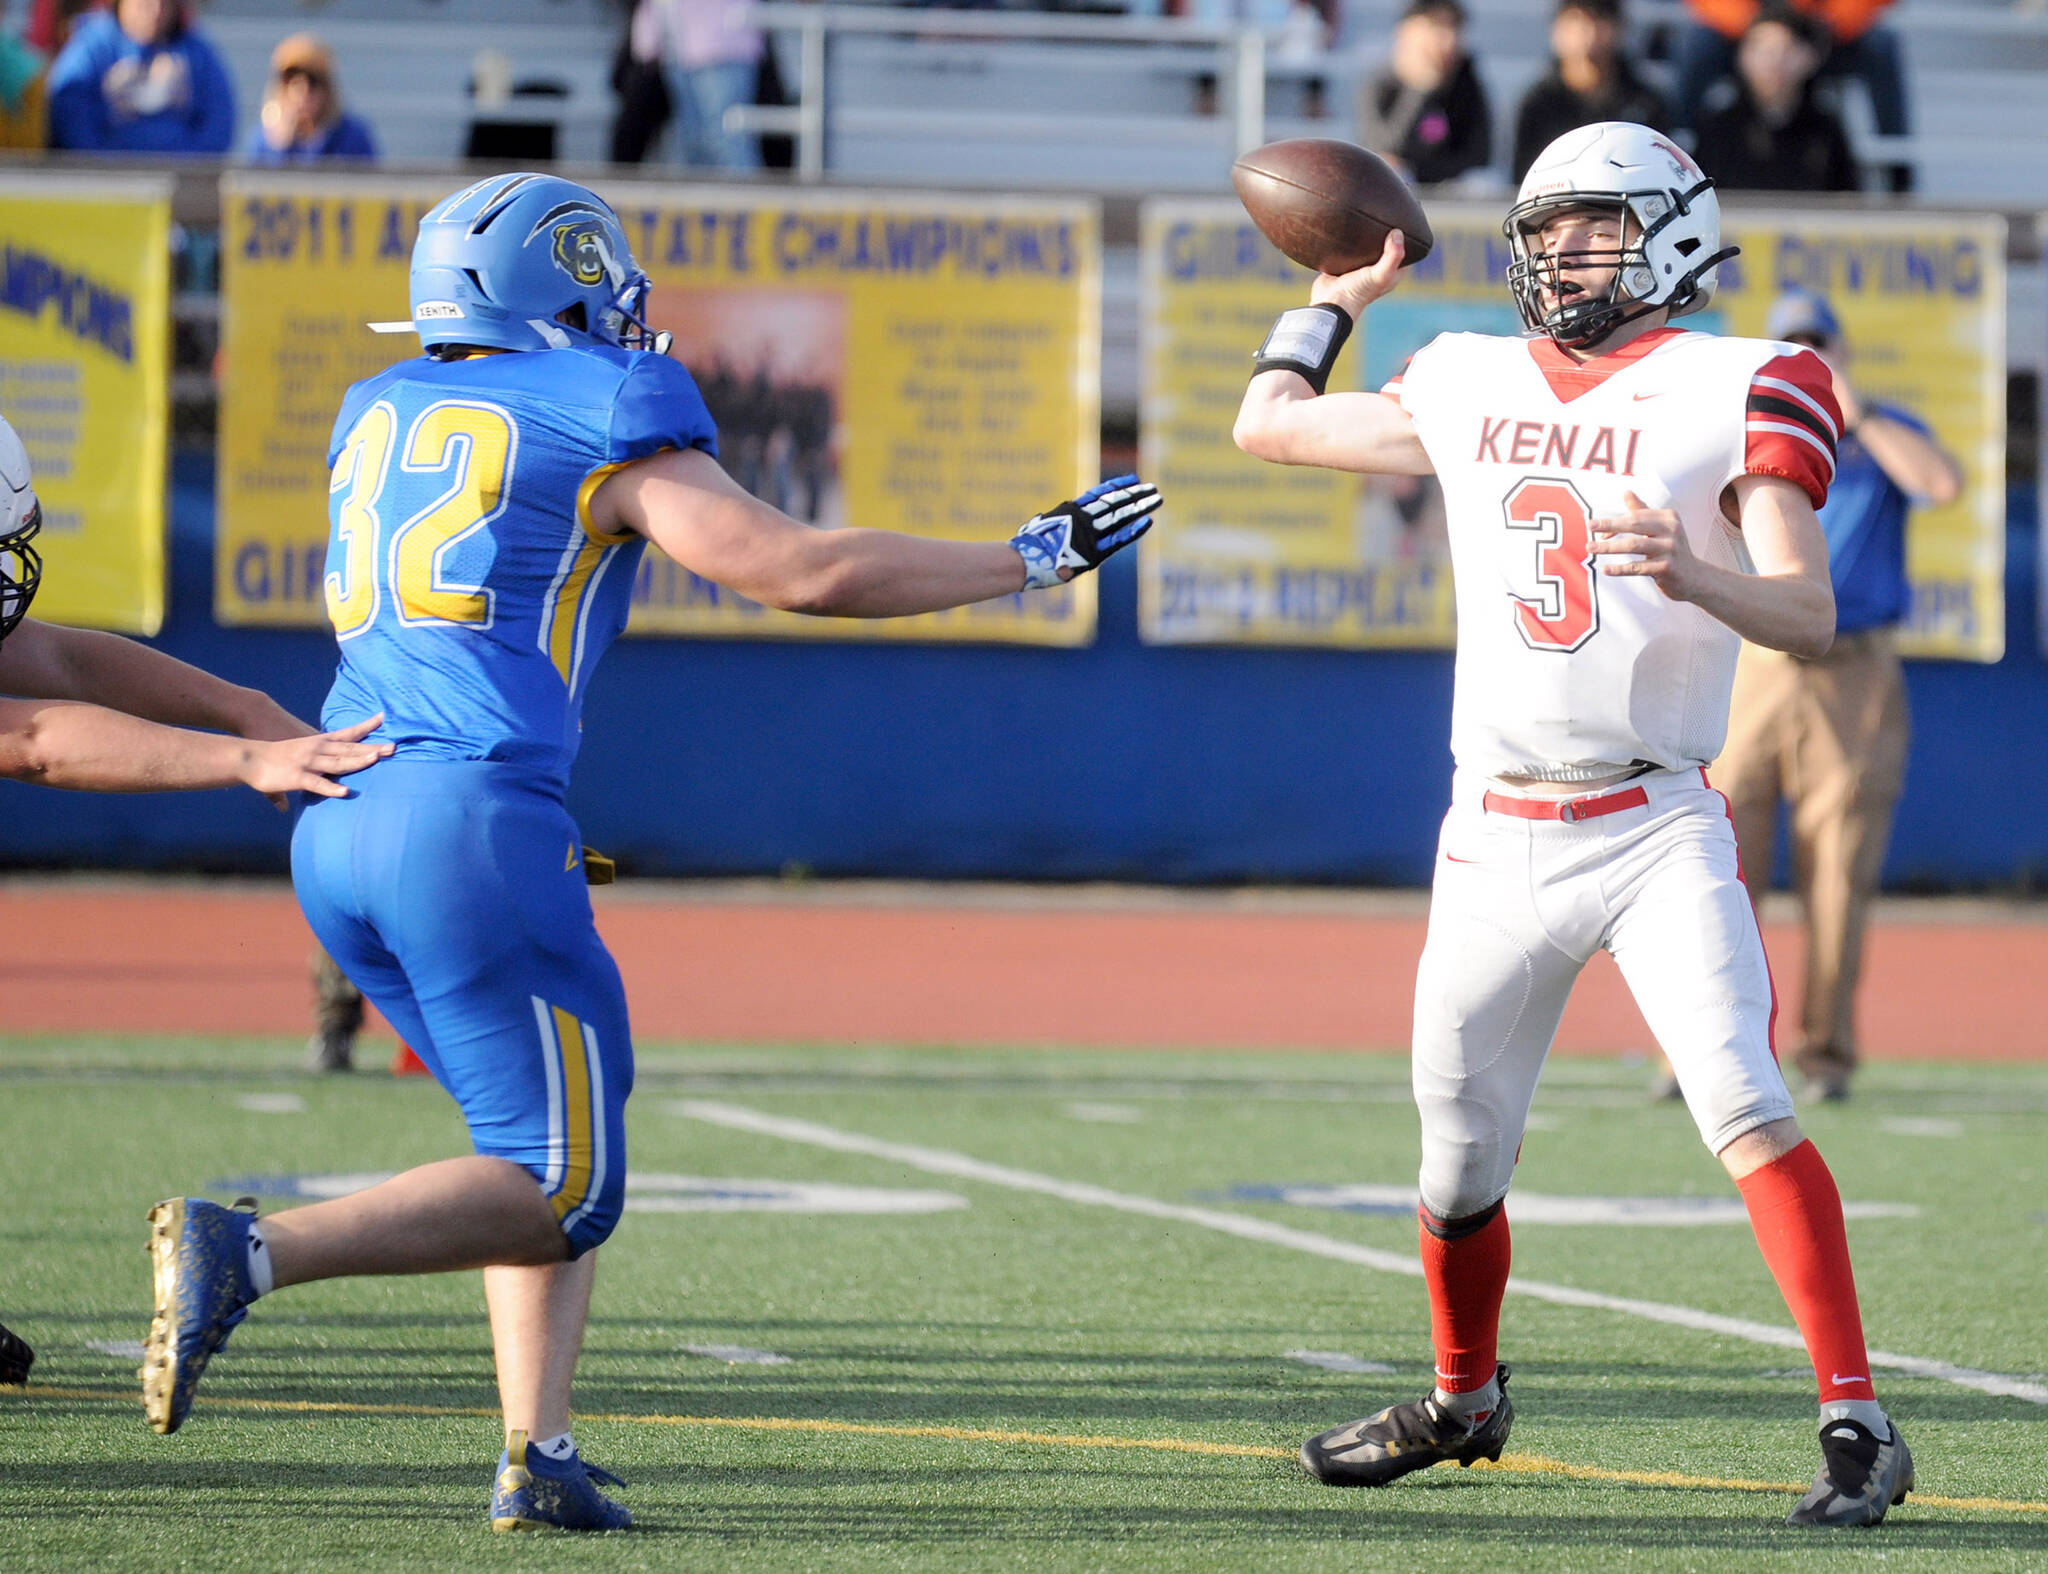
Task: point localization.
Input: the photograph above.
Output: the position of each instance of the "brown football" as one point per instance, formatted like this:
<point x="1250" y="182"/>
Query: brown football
<point x="1328" y="204"/>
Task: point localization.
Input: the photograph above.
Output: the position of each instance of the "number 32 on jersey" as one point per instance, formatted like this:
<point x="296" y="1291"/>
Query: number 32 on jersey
<point x="470" y="449"/>
<point x="1564" y="611"/>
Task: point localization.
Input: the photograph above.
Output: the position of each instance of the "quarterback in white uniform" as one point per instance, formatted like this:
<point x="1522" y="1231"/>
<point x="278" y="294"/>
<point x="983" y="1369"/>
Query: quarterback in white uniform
<point x="1627" y="502"/>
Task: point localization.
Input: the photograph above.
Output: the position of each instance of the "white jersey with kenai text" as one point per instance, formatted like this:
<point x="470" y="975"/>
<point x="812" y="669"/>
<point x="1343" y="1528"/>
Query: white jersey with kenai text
<point x="1564" y="672"/>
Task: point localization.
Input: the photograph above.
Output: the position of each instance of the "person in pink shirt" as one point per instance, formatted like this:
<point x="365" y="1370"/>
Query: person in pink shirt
<point x="710" y="60"/>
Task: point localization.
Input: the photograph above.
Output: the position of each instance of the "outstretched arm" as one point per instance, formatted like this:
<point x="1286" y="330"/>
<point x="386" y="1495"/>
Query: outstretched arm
<point x="1285" y="420"/>
<point x="46" y="661"/>
<point x="685" y="503"/>
<point x="92" y="749"/>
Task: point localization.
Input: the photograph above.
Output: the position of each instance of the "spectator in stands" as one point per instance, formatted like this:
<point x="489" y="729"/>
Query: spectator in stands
<point x="1856" y="45"/>
<point x="25" y="72"/>
<point x="24" y="97"/>
<point x="302" y="118"/>
<point x="1426" y="112"/>
<point x="141" y="79"/>
<point x="710" y="62"/>
<point x="1830" y="734"/>
<point x="1591" y="79"/>
<point x="637" y="80"/>
<point x="1774" y="137"/>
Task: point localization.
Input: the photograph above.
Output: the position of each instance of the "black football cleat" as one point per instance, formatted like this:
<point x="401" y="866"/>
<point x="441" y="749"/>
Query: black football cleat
<point x="1401" y="1438"/>
<point x="1861" y="1476"/>
<point x="15" y="1357"/>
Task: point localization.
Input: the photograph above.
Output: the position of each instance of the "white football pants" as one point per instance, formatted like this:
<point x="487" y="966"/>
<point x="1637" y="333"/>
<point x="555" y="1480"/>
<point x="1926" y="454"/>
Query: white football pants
<point x="1519" y="906"/>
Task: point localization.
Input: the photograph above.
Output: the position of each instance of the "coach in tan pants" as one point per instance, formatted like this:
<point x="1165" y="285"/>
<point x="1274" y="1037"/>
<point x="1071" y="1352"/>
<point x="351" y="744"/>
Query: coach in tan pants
<point x="1830" y="735"/>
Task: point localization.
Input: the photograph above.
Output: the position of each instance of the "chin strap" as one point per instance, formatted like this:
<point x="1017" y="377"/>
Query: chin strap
<point x="1681" y="293"/>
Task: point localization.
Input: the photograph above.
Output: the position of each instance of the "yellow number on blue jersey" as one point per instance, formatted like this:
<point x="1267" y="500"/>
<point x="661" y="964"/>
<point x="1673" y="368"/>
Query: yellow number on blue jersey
<point x="474" y="444"/>
<point x="360" y="472"/>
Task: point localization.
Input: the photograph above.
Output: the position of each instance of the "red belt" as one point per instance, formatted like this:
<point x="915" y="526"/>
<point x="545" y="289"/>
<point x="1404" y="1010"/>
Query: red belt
<point x="1567" y="809"/>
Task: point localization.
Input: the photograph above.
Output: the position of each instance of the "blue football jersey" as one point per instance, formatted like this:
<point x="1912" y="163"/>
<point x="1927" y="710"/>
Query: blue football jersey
<point x="470" y="594"/>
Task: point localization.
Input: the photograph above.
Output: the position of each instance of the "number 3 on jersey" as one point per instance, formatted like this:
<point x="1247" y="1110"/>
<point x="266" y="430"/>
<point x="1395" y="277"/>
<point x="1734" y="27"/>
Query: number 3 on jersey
<point x="469" y="446"/>
<point x="1565" y="610"/>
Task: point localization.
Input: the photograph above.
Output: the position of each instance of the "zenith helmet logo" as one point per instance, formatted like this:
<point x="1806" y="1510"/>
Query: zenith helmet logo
<point x="581" y="252"/>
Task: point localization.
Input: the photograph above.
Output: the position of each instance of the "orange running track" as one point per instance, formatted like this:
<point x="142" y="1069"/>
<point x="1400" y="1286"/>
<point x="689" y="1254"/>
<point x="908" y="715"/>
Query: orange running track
<point x="741" y="963"/>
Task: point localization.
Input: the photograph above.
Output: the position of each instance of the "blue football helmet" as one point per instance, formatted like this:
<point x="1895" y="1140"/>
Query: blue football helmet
<point x="528" y="262"/>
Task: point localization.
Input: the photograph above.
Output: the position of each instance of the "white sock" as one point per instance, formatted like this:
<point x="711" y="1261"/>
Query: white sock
<point x="558" y="1448"/>
<point x="1866" y="1412"/>
<point x="261" y="1280"/>
<point x="1479" y="1402"/>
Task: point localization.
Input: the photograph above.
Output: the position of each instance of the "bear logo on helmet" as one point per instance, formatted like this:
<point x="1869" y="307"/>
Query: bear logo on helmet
<point x="581" y="253"/>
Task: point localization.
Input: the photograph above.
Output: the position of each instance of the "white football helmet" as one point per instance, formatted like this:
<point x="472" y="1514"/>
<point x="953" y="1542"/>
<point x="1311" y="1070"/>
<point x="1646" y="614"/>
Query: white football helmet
<point x="21" y="516"/>
<point x="1670" y="253"/>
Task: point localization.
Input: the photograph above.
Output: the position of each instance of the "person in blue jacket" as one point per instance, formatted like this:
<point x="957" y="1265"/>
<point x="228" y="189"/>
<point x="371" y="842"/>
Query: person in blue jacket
<point x="302" y="118"/>
<point x="141" y="79"/>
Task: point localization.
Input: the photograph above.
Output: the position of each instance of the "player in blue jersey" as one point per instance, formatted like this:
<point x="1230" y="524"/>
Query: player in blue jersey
<point x="489" y="503"/>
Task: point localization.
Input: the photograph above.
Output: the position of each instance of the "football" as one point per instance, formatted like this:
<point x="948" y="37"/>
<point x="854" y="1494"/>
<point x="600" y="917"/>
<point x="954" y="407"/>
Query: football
<point x="1328" y="205"/>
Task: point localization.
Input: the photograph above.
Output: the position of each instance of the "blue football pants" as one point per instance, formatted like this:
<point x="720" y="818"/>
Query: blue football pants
<point x="452" y="893"/>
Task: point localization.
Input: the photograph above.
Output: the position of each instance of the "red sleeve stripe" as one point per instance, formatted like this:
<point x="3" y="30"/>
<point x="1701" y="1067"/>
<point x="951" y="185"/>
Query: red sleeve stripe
<point x="1770" y="408"/>
<point x="1793" y="390"/>
<point x="1758" y="428"/>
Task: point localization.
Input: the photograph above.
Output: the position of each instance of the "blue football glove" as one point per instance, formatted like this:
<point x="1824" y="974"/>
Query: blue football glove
<point x="1077" y="536"/>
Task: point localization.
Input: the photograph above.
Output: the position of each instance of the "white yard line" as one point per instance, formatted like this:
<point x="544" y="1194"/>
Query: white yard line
<point x="935" y="1161"/>
<point x="736" y="1354"/>
<point x="1337" y="1361"/>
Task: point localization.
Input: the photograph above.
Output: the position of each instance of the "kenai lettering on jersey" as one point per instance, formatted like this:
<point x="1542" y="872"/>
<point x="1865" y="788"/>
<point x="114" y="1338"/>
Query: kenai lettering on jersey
<point x="1549" y="445"/>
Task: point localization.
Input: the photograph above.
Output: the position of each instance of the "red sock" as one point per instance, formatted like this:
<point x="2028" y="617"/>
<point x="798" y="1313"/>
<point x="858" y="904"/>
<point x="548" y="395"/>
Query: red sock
<point x="1797" y="1215"/>
<point x="1467" y="1275"/>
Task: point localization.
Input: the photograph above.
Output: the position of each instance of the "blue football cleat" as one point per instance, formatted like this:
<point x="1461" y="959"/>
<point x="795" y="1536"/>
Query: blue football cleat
<point x="200" y="1253"/>
<point x="537" y="1493"/>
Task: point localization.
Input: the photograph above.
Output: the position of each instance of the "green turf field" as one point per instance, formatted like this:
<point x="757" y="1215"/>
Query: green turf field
<point x="1029" y="1375"/>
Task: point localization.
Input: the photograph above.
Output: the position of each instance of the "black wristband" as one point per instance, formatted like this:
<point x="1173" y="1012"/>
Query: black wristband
<point x="1305" y="339"/>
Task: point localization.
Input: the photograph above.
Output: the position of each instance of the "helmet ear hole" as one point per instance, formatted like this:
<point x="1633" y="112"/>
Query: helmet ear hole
<point x="574" y="316"/>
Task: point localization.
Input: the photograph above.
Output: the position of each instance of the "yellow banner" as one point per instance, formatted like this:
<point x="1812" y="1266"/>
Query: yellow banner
<point x="304" y="265"/>
<point x="85" y="336"/>
<point x="1247" y="552"/>
<point x="1921" y="298"/>
<point x="882" y="359"/>
<point x="1251" y="553"/>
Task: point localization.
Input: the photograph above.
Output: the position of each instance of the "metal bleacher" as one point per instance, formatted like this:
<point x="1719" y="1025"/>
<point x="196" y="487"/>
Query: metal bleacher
<point x="406" y="65"/>
<point x="1036" y="98"/>
<point x="1121" y="106"/>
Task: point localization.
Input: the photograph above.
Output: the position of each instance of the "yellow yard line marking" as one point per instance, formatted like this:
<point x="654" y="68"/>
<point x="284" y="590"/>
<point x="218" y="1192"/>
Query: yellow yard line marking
<point x="1510" y="1464"/>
